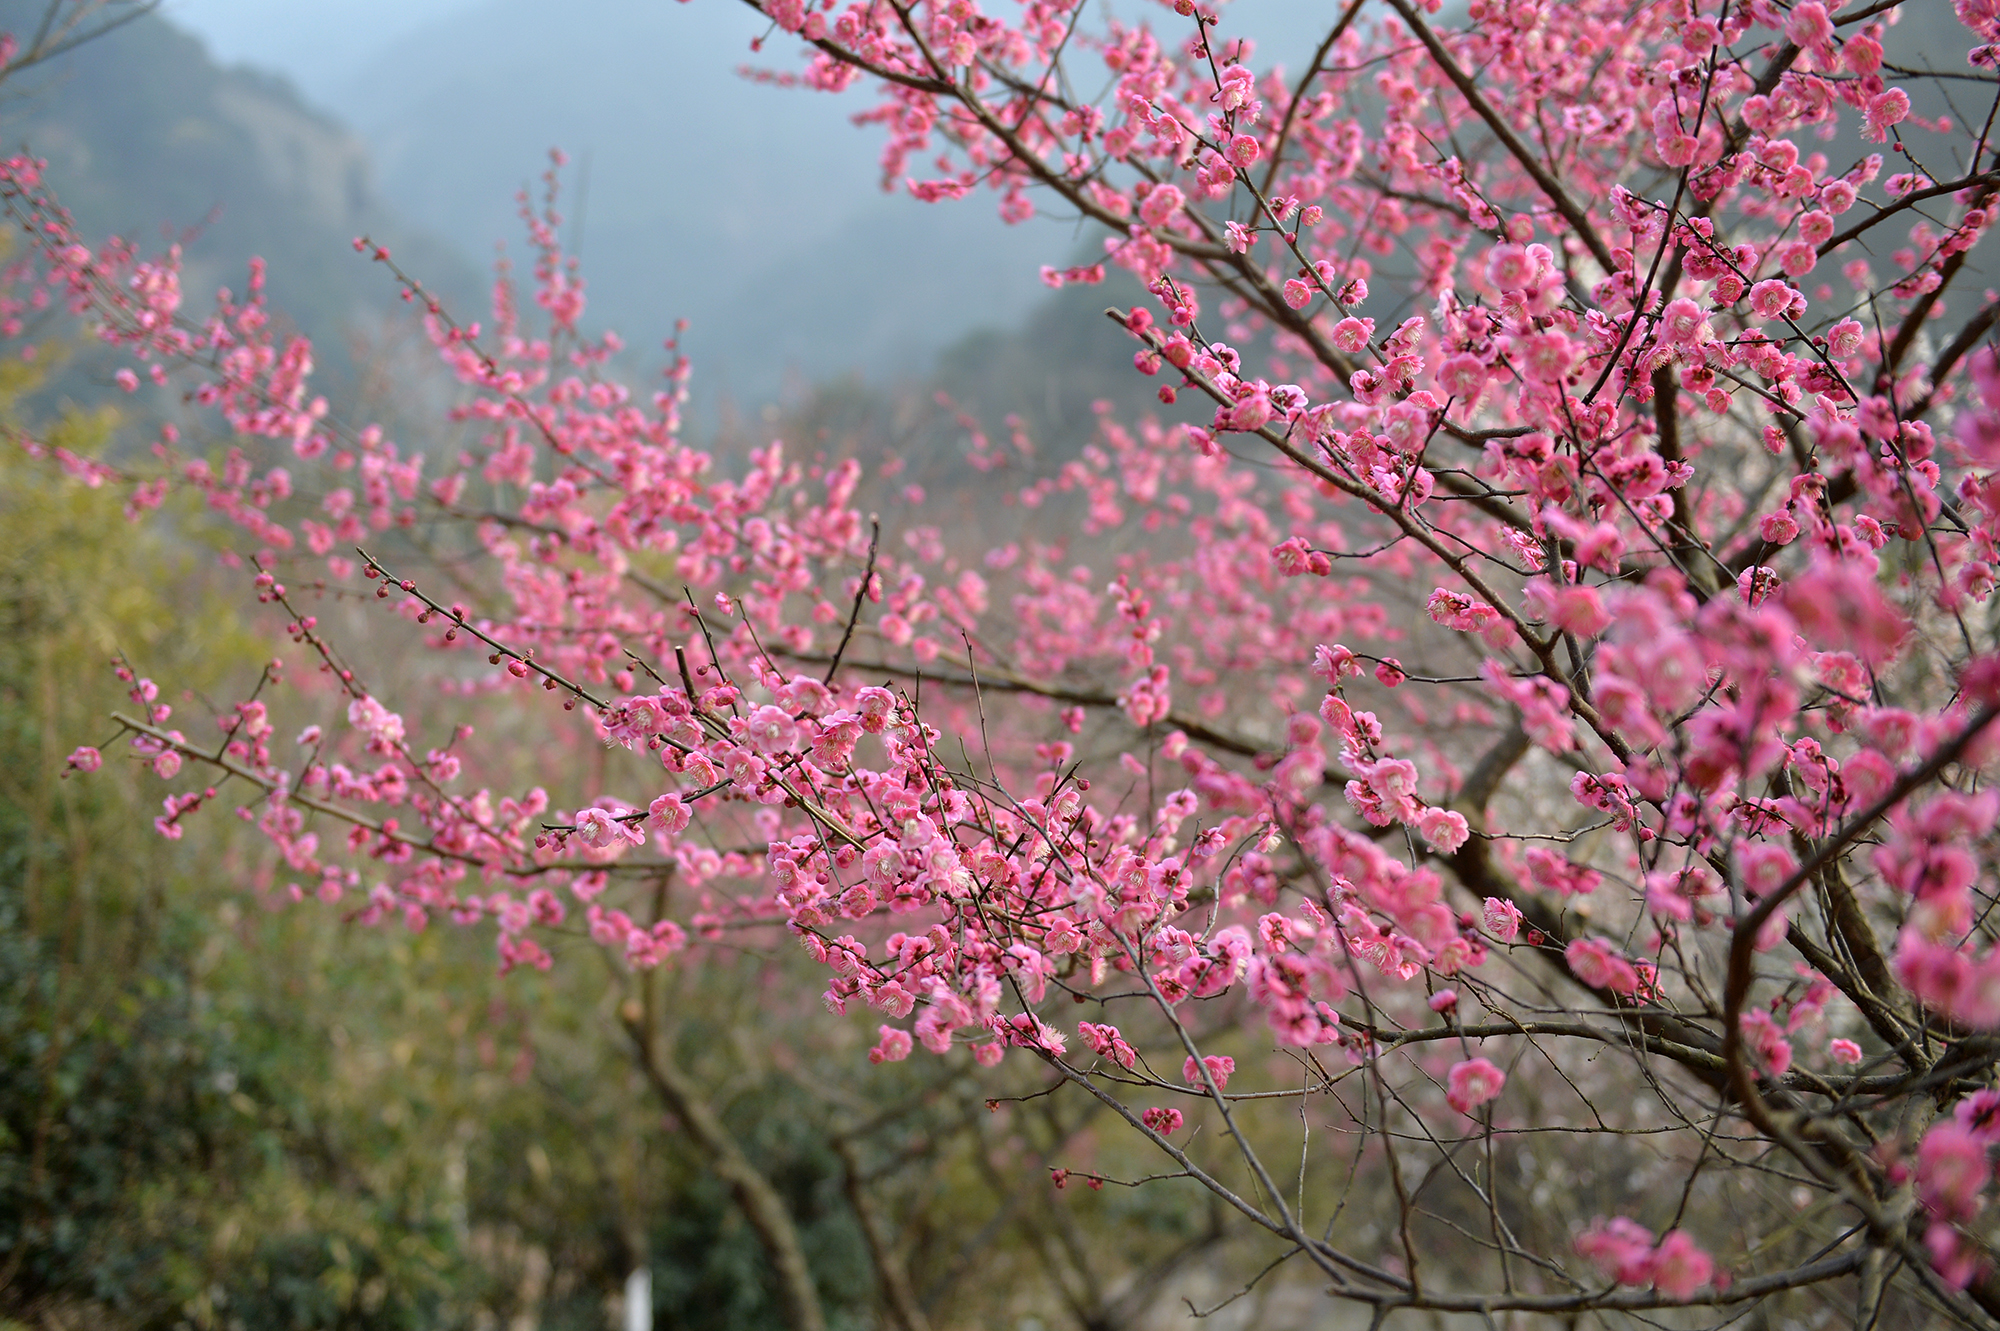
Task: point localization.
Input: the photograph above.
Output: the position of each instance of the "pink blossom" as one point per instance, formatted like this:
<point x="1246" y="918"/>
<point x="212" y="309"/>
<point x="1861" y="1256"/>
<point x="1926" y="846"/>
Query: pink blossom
<point x="1952" y="1170"/>
<point x="1578" y="610"/>
<point x="1622" y="1248"/>
<point x="1885" y="109"/>
<point x="1955" y="981"/>
<point x="1763" y="866"/>
<point x="1601" y="966"/>
<point x="1767" y="1042"/>
<point x="1682" y="321"/>
<point x="1502" y="919"/>
<point x="1773" y="299"/>
<point x="1161" y="205"/>
<point x="1472" y="1083"/>
<point x="602" y="829"/>
<point x="1808" y="25"/>
<point x="893" y="1047"/>
<point x="1114" y="757"/>
<point x="1106" y="1042"/>
<point x="1979" y="1114"/>
<point x="1220" y="1068"/>
<point x="1444" y="829"/>
<point x="1779" y="528"/>
<point x="875" y="706"/>
<point x="1509" y="268"/>
<point x="1335" y="663"/>
<point x="382" y="727"/>
<point x="1457" y="611"/>
<point x="668" y="814"/>
<point x="1462" y="376"/>
<point x="771" y="730"/>
<point x="1955" y="1259"/>
<point x="86" y="759"/>
<point x="1552" y="872"/>
<point x="1546" y="357"/>
<point x="1839" y="606"/>
<point x="1678" y="1267"/>
<point x="1029" y="1032"/>
<point x="1351" y="334"/>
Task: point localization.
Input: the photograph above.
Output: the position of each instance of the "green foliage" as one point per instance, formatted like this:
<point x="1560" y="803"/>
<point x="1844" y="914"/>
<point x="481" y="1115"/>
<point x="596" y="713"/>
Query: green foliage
<point x="94" y="1101"/>
<point x="709" y="1273"/>
<point x="165" y="1156"/>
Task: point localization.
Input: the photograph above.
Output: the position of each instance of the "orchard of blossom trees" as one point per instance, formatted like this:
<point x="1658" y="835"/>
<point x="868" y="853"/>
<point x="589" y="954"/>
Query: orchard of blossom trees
<point x="1525" y="698"/>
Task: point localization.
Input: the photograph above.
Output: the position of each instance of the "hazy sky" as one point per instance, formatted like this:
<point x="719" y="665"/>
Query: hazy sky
<point x="320" y="42"/>
<point x="315" y="42"/>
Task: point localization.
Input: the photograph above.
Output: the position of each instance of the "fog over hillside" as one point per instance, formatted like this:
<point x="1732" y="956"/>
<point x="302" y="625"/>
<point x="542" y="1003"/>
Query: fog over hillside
<point x="753" y="211"/>
<point x="148" y="139"/>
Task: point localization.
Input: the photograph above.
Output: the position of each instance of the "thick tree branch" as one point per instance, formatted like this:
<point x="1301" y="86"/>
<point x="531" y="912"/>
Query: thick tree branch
<point x="761" y="1203"/>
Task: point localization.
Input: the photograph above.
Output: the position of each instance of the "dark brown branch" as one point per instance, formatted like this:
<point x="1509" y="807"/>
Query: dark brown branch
<point x="860" y="595"/>
<point x="890" y="1271"/>
<point x="1968" y="337"/>
<point x="762" y="1206"/>
<point x="1502" y="130"/>
<point x="1003" y="682"/>
<point x="1333" y="35"/>
<point x="1910" y="200"/>
<point x="1913" y="321"/>
<point x="1473" y="864"/>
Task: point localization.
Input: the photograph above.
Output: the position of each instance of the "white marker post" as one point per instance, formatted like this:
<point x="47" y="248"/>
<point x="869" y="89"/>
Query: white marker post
<point x="639" y="1300"/>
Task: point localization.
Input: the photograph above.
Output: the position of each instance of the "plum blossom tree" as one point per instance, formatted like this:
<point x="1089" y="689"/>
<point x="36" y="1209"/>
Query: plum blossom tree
<point x="1531" y="702"/>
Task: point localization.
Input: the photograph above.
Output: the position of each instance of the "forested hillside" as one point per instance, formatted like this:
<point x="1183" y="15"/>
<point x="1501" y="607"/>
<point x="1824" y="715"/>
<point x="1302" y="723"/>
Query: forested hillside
<point x="148" y="138"/>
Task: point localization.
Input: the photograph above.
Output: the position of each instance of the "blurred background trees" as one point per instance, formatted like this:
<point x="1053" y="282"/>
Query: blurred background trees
<point x="185" y="1136"/>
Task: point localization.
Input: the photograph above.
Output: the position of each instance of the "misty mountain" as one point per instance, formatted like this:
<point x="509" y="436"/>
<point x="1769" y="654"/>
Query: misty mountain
<point x="148" y="139"/>
<point x="693" y="192"/>
<point x="753" y="211"/>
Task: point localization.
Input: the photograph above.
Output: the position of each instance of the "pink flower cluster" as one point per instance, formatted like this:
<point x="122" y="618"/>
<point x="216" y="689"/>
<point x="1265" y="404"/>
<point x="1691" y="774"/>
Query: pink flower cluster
<point x="1626" y="1252"/>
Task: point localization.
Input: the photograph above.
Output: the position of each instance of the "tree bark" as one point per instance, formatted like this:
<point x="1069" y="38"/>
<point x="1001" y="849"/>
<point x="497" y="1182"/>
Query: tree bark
<point x="761" y="1204"/>
<point x="894" y="1277"/>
